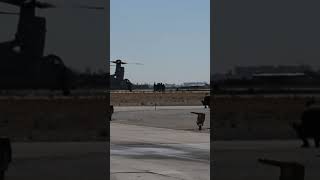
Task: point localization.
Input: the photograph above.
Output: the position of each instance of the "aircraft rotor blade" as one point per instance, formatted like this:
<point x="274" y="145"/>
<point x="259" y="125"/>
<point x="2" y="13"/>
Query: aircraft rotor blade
<point x="13" y="2"/>
<point x="79" y="6"/>
<point x="45" y="5"/>
<point x="90" y="7"/>
<point x="136" y="63"/>
<point x="38" y="4"/>
<point x="121" y="62"/>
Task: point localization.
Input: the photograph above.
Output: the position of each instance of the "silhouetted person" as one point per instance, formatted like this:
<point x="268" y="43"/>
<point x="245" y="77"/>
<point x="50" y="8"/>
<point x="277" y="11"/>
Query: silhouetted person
<point x="5" y="156"/>
<point x="163" y="88"/>
<point x="130" y="87"/>
<point x="309" y="126"/>
<point x="158" y="87"/>
<point x="200" y="119"/>
<point x="110" y="112"/>
<point x="64" y="80"/>
<point x="206" y="101"/>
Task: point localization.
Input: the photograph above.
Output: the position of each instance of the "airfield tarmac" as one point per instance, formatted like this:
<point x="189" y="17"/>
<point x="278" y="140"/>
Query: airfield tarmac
<point x="170" y="117"/>
<point x="147" y="144"/>
<point x="159" y="143"/>
<point x="139" y="150"/>
<point x="165" y="144"/>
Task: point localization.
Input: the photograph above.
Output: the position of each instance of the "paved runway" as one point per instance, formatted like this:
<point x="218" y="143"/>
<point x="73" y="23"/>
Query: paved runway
<point x="139" y="152"/>
<point x="192" y="152"/>
<point x="173" y="161"/>
<point x="158" y="150"/>
<point x="171" y="117"/>
<point x="156" y="144"/>
<point x="160" y="142"/>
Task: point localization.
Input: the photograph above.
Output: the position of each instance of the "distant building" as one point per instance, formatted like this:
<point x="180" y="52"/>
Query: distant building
<point x="170" y="85"/>
<point x="247" y="72"/>
<point x="189" y="84"/>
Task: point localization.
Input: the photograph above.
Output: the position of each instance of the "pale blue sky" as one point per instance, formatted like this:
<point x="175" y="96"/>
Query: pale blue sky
<point x="170" y="37"/>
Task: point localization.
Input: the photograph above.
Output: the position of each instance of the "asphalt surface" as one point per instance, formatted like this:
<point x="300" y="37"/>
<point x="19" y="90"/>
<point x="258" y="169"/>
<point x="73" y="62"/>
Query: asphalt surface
<point x="147" y="145"/>
<point x="142" y="151"/>
<point x="159" y="143"/>
<point x="170" y="161"/>
<point x="150" y="143"/>
<point x="170" y="117"/>
<point x="139" y="152"/>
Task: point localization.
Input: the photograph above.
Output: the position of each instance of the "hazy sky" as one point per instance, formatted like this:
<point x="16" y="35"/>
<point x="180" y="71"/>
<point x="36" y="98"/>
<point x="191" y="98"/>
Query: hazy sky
<point x="268" y="32"/>
<point x="78" y="36"/>
<point x="170" y="37"/>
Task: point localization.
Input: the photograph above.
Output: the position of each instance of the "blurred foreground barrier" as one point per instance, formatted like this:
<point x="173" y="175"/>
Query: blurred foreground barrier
<point x="5" y="156"/>
<point x="110" y="112"/>
<point x="288" y="170"/>
<point x="206" y="101"/>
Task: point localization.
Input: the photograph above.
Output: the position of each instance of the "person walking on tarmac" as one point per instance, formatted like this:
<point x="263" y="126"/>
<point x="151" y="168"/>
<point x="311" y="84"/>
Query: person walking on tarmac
<point x="200" y="119"/>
